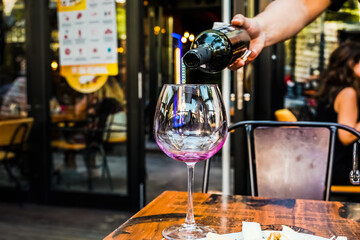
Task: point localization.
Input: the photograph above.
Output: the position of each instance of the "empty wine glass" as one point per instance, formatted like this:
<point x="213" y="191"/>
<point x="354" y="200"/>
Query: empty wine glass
<point x="190" y="125"/>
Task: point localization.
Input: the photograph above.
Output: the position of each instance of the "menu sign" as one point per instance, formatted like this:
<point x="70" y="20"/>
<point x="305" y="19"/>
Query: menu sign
<point x="88" y="41"/>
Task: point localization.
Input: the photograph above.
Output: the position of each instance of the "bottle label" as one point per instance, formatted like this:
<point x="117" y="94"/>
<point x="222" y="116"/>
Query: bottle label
<point x="215" y="49"/>
<point x="219" y="25"/>
<point x="239" y="40"/>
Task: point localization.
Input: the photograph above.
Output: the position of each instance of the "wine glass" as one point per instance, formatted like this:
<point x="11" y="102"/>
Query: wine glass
<point x="190" y="126"/>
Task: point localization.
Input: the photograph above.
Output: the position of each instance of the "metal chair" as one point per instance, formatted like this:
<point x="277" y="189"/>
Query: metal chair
<point x="93" y="142"/>
<point x="292" y="159"/>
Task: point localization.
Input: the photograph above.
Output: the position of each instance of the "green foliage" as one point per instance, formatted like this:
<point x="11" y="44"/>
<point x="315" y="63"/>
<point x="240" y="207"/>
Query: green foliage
<point x="349" y="13"/>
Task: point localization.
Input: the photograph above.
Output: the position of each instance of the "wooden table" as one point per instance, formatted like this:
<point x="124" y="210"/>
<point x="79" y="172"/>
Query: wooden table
<point x="226" y="213"/>
<point x="14" y="117"/>
<point x="67" y="117"/>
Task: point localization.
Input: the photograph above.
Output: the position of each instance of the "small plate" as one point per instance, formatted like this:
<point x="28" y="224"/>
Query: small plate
<point x="239" y="236"/>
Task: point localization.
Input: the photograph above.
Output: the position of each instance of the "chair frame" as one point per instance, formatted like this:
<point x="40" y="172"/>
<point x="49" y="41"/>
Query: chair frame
<point x="91" y="148"/>
<point x="15" y="145"/>
<point x="95" y="145"/>
<point x="249" y="126"/>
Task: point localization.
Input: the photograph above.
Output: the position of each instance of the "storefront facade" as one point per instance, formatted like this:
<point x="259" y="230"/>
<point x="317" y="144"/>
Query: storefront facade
<point x="64" y="169"/>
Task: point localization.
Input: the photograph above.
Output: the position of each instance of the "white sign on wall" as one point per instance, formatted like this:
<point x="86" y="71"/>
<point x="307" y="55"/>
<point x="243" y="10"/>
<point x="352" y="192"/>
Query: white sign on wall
<point x="87" y="38"/>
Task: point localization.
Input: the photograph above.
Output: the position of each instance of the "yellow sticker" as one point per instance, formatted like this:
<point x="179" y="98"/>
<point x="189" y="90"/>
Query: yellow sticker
<point x="90" y="69"/>
<point x="86" y="83"/>
<point x="88" y="78"/>
<point x="71" y="5"/>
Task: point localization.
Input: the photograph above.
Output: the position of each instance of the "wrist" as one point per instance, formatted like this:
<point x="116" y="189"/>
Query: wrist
<point x="262" y="30"/>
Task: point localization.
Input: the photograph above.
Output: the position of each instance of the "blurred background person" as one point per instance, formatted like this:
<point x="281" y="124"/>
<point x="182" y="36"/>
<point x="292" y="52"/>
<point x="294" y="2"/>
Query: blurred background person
<point x="111" y="89"/>
<point x="338" y="101"/>
<point x="94" y="106"/>
<point x="14" y="101"/>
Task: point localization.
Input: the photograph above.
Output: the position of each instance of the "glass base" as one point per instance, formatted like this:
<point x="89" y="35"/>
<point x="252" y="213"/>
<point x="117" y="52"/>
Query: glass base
<point x="183" y="231"/>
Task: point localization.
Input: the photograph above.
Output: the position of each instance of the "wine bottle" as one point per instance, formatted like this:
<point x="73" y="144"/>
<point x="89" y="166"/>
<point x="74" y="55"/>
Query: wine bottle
<point x="215" y="49"/>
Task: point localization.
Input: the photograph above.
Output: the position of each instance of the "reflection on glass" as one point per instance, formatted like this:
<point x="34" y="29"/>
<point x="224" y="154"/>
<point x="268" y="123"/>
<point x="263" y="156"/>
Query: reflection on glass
<point x="13" y="81"/>
<point x="89" y="132"/>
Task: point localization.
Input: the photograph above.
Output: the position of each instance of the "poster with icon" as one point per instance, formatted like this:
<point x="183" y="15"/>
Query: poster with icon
<point x="87" y="42"/>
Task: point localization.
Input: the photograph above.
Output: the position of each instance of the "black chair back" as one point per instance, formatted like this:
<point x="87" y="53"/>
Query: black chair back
<point x="292" y="159"/>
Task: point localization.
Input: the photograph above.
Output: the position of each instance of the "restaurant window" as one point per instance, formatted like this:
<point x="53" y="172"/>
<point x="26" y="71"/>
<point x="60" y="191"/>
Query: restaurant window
<point x="12" y="58"/>
<point x="308" y="52"/>
<point x="88" y="111"/>
<point x="13" y="82"/>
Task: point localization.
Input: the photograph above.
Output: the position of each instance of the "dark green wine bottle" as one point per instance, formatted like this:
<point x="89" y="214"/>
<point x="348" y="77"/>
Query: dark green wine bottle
<point x="215" y="49"/>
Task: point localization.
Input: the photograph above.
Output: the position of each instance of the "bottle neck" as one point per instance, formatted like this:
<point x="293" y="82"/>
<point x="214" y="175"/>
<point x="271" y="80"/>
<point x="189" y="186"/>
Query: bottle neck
<point x="194" y="58"/>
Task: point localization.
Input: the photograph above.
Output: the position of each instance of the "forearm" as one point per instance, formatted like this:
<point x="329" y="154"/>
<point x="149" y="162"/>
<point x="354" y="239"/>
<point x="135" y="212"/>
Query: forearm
<point x="283" y="19"/>
<point x="346" y="137"/>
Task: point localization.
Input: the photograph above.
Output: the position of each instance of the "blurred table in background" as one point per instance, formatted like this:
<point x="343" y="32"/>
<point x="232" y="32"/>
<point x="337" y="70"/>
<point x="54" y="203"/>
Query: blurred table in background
<point x="5" y="118"/>
<point x="67" y="117"/>
<point x="226" y="213"/>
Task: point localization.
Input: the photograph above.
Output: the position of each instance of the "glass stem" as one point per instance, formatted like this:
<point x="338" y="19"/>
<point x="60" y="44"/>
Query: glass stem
<point x="190" y="221"/>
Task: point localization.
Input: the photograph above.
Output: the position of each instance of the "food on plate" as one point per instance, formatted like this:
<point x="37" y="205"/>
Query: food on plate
<point x="290" y="234"/>
<point x="251" y="231"/>
<point x="274" y="236"/>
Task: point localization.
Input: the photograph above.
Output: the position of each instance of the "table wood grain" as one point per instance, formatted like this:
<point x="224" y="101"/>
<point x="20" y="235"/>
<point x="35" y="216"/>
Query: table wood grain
<point x="226" y="213"/>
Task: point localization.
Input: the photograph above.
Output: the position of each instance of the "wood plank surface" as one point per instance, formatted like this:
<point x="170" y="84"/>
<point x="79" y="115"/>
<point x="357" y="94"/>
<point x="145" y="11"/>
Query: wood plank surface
<point x="226" y="213"/>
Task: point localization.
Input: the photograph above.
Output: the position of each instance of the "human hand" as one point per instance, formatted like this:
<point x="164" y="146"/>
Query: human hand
<point x="257" y="42"/>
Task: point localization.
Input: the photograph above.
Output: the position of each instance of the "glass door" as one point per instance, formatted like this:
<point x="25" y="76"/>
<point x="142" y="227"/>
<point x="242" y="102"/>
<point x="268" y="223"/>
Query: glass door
<point x="92" y="143"/>
<point x="13" y="97"/>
